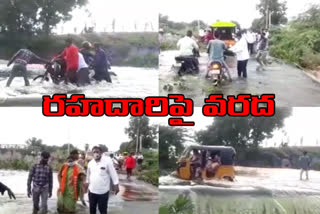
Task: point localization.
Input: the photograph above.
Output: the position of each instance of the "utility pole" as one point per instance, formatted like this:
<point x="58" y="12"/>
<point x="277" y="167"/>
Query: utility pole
<point x="140" y="150"/>
<point x="138" y="135"/>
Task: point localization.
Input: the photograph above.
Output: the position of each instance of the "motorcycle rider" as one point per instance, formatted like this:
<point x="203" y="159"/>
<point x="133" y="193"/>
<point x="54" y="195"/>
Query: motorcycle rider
<point x="216" y="50"/>
<point x="187" y="47"/>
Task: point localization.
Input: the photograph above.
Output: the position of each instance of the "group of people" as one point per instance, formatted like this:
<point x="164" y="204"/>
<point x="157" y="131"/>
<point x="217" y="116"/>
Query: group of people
<point x="200" y="164"/>
<point x="98" y="179"/>
<point x="244" y="46"/>
<point x="75" y="63"/>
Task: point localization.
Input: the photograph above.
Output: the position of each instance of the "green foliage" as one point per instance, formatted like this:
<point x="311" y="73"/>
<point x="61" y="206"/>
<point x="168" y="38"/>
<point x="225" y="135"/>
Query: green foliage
<point x="182" y="205"/>
<point x="127" y="49"/>
<point x="150" y="168"/>
<point x="170" y="137"/>
<point x="242" y="132"/>
<point x="300" y="42"/>
<point x="139" y="127"/>
<point x="278" y="8"/>
<point x="35" y="17"/>
<point x="179" y="27"/>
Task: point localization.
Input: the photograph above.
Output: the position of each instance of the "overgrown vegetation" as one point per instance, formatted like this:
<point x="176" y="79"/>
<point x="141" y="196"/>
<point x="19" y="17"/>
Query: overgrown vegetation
<point x="150" y="168"/>
<point x="299" y="42"/>
<point x="182" y="205"/>
<point x="126" y="49"/>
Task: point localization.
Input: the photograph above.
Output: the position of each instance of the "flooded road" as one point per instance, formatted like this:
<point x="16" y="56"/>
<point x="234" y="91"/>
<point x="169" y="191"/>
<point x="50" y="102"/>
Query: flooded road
<point x="255" y="191"/>
<point x="134" y="197"/>
<point x="291" y="86"/>
<point x="129" y="82"/>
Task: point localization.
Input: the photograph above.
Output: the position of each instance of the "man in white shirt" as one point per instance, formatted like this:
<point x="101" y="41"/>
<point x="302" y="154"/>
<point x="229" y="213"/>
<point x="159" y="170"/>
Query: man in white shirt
<point x="250" y="40"/>
<point x="186" y="45"/>
<point x="83" y="71"/>
<point x="99" y="175"/>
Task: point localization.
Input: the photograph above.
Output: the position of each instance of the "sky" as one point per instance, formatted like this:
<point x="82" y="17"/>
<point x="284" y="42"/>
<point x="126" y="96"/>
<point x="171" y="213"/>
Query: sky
<point x="19" y="124"/>
<point x="125" y="12"/>
<point x="303" y="122"/>
<point x="243" y="11"/>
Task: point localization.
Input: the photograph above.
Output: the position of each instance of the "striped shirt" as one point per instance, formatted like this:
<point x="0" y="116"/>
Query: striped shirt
<point x="41" y="175"/>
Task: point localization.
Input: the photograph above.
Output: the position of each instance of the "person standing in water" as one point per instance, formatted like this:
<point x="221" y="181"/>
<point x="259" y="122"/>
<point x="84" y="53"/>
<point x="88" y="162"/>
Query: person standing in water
<point x="41" y="176"/>
<point x="130" y="164"/>
<point x="241" y="49"/>
<point x="100" y="64"/>
<point x="100" y="174"/>
<point x="305" y="165"/>
<point x="71" y="57"/>
<point x="21" y="59"/>
<point x="71" y="179"/>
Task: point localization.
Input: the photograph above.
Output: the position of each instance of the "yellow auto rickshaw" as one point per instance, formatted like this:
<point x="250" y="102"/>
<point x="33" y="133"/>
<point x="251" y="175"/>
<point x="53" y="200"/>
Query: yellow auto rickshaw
<point x="227" y="31"/>
<point x="224" y="169"/>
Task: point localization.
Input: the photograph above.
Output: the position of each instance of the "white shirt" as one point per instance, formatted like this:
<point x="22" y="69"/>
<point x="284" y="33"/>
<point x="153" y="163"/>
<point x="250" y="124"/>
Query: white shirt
<point x="99" y="175"/>
<point x="81" y="62"/>
<point x="250" y="37"/>
<point x="186" y="46"/>
<point x="241" y="49"/>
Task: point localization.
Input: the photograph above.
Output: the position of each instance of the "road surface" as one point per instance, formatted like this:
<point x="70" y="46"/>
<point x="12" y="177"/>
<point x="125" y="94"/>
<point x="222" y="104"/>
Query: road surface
<point x="292" y="87"/>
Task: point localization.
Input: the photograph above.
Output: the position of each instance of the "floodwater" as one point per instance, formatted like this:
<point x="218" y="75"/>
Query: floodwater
<point x="255" y="191"/>
<point x="134" y="197"/>
<point x="290" y="85"/>
<point x="129" y="82"/>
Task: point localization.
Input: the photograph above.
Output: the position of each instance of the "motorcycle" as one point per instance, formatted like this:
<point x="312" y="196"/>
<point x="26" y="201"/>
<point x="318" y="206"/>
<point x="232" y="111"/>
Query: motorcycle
<point x="216" y="71"/>
<point x="54" y="70"/>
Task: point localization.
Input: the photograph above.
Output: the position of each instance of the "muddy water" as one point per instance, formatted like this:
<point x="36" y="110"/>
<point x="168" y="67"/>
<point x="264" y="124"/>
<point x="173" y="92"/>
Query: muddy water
<point x="291" y="86"/>
<point x="134" y="197"/>
<point x="255" y="191"/>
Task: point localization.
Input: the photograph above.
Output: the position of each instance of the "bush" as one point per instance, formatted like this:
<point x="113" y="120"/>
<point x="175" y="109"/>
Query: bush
<point x="150" y="168"/>
<point x="123" y="46"/>
<point x="182" y="205"/>
<point x="300" y="42"/>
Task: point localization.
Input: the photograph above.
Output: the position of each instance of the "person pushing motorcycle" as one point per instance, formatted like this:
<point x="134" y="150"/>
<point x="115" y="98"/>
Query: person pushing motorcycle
<point x="216" y="49"/>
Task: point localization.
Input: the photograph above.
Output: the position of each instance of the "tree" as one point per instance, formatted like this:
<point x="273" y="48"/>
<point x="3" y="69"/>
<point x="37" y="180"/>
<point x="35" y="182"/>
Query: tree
<point x="35" y="16"/>
<point x="52" y="12"/>
<point x="34" y="145"/>
<point x="242" y="132"/>
<point x="138" y="129"/>
<point x="258" y="24"/>
<point x="275" y="8"/>
<point x="170" y="137"/>
<point x="238" y="26"/>
<point x="18" y="16"/>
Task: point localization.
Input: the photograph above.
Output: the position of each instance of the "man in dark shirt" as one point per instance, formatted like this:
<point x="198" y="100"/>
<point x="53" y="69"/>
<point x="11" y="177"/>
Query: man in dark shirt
<point x="42" y="178"/>
<point x="20" y="60"/>
<point x="100" y="64"/>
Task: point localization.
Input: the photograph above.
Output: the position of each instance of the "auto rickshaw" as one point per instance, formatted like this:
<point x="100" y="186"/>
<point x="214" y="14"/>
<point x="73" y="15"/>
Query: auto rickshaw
<point x="225" y="170"/>
<point x="226" y="30"/>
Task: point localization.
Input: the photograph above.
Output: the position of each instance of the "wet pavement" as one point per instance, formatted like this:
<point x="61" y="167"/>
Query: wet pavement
<point x="134" y="196"/>
<point x="291" y="86"/>
<point x="254" y="191"/>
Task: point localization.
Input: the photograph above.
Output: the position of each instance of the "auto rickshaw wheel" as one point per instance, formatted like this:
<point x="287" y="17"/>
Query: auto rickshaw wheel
<point x="228" y="178"/>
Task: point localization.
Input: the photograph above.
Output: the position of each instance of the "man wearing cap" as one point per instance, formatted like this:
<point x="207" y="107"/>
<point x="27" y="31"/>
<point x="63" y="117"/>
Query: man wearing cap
<point x="100" y="174"/>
